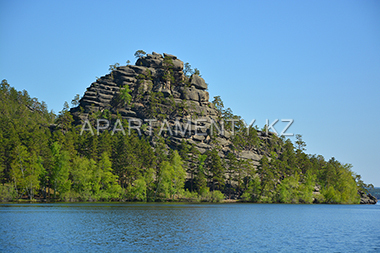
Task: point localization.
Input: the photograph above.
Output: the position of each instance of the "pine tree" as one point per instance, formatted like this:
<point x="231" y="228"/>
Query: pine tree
<point x="201" y="180"/>
<point x="216" y="170"/>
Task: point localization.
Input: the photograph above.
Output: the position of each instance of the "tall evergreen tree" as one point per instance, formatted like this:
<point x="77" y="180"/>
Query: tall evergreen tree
<point x="216" y="170"/>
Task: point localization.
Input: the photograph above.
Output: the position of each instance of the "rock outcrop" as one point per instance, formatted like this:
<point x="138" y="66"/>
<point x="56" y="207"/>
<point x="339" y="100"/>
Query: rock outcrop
<point x="367" y="198"/>
<point x="161" y="95"/>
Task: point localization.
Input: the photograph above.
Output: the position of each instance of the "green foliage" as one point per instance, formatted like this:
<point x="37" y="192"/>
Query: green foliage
<point x="107" y="185"/>
<point x="218" y="103"/>
<point x="179" y="173"/>
<point x="168" y="63"/>
<point x="137" y="191"/>
<point x="82" y="178"/>
<point x="164" y="182"/>
<point x="168" y="69"/>
<point x="7" y="193"/>
<point x="26" y="169"/>
<point x="361" y="185"/>
<point x="75" y="101"/>
<point x="300" y="144"/>
<point x="113" y="67"/>
<point x="139" y="53"/>
<point x="331" y="195"/>
<point x="42" y="155"/>
<point x="187" y="70"/>
<point x="172" y="177"/>
<point x="216" y="170"/>
<point x="201" y="180"/>
<point x="161" y="107"/>
<point x="189" y="196"/>
<point x="306" y="189"/>
<point x="253" y="192"/>
<point x="267" y="178"/>
<point x="288" y="190"/>
<point x="93" y="181"/>
<point x="65" y="119"/>
<point x="343" y="188"/>
<point x="213" y="196"/>
<point x="59" y="174"/>
<point x="246" y="138"/>
<point x="125" y="95"/>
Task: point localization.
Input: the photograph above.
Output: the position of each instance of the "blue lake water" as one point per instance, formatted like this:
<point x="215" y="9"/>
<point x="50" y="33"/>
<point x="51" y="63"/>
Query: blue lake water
<point x="115" y="227"/>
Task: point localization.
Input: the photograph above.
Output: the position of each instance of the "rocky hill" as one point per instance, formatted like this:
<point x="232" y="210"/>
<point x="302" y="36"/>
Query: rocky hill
<point x="164" y="98"/>
<point x="174" y="146"/>
<point x="167" y="104"/>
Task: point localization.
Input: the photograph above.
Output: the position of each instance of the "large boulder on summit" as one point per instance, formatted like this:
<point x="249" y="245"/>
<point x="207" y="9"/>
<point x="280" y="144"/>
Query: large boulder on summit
<point x="155" y="60"/>
<point x="170" y="56"/>
<point x="198" y="82"/>
<point x="177" y="64"/>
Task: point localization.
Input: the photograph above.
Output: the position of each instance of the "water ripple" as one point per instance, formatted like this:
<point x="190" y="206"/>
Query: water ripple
<point x="189" y="227"/>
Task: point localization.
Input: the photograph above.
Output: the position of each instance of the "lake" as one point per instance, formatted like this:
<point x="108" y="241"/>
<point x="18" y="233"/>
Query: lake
<point x="115" y="227"/>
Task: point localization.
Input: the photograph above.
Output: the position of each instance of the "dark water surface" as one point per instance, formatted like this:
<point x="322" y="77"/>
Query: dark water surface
<point x="115" y="227"/>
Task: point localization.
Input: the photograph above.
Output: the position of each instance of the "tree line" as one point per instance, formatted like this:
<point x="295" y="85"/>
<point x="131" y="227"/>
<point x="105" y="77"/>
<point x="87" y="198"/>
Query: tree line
<point x="43" y="156"/>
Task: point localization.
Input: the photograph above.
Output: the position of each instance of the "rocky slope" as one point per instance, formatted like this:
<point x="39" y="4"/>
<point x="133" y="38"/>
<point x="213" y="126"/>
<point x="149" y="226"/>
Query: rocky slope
<point x="367" y="198"/>
<point x="163" y="96"/>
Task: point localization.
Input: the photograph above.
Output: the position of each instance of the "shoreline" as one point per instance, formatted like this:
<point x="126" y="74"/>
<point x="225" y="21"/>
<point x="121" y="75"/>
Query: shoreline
<point x="227" y="201"/>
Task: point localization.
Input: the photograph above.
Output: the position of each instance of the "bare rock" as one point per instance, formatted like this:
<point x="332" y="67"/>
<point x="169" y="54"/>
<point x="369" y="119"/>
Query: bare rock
<point x="249" y="155"/>
<point x="198" y="82"/>
<point x="367" y="198"/>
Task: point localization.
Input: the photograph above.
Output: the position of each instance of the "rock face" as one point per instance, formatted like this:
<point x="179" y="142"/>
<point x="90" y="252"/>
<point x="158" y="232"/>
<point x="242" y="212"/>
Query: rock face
<point x="367" y="198"/>
<point x="198" y="82"/>
<point x="161" y="96"/>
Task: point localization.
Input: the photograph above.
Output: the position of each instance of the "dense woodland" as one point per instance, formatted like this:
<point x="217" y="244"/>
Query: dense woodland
<point x="44" y="157"/>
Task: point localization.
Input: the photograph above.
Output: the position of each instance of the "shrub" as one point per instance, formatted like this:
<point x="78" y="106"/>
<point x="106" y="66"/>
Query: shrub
<point x="191" y="196"/>
<point x="217" y="196"/>
<point x="7" y="193"/>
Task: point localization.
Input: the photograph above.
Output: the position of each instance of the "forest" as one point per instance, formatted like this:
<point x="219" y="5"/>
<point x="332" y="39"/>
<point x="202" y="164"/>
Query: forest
<point x="43" y="157"/>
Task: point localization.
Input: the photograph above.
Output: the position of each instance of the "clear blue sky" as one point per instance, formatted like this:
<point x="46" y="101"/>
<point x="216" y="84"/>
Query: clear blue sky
<point x="317" y="62"/>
